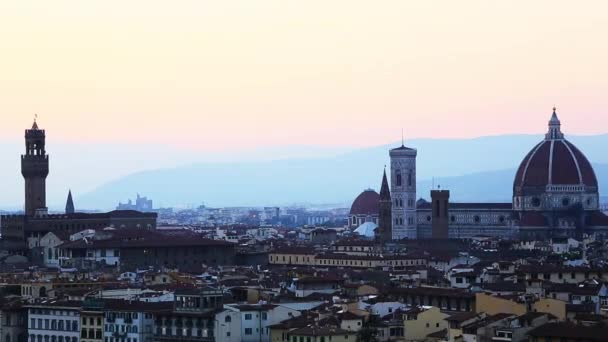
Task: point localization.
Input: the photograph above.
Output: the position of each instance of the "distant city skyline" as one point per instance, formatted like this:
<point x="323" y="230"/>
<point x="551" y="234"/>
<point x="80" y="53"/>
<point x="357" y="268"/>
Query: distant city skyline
<point x="218" y="76"/>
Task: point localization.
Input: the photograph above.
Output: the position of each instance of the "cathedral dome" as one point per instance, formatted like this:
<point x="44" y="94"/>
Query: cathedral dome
<point x="555" y="163"/>
<point x="367" y="203"/>
<point x="556" y="170"/>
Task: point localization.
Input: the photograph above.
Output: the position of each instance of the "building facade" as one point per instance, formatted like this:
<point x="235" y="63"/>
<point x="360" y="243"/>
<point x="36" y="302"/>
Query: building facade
<point x="403" y="192"/>
<point x="22" y="233"/>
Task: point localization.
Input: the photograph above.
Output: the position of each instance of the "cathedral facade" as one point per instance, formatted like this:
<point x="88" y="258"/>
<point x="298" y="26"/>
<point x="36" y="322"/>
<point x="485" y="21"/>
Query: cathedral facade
<point x="555" y="194"/>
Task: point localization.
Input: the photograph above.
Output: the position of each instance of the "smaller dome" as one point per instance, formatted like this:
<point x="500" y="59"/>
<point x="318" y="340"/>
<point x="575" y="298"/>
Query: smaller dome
<point x="367" y="229"/>
<point x="367" y="203"/>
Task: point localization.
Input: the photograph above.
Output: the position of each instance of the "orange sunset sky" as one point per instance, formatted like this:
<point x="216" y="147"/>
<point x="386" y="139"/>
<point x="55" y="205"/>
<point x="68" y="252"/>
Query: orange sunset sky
<point x="216" y="75"/>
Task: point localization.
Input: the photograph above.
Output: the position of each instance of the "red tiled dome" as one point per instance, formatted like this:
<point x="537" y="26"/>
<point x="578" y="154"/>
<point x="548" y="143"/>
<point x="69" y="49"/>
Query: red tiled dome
<point x="367" y="203"/>
<point x="556" y="162"/>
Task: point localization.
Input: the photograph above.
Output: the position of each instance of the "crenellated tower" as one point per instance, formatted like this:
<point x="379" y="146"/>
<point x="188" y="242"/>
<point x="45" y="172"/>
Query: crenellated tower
<point x="35" y="169"/>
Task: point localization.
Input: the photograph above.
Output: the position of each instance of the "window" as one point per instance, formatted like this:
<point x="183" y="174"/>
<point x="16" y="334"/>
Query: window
<point x="248" y="331"/>
<point x="264" y="315"/>
<point x="228" y="319"/>
<point x="398" y="177"/>
<point x="248" y="317"/>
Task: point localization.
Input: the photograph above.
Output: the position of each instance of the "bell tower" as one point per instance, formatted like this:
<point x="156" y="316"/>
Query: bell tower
<point x="403" y="192"/>
<point x="35" y="169"/>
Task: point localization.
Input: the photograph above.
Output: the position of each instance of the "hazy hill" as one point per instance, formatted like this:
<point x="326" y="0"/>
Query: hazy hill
<point x="479" y="169"/>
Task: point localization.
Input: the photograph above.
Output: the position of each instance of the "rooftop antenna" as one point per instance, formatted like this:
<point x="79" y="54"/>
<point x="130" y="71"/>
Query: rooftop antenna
<point x="402" y="137"/>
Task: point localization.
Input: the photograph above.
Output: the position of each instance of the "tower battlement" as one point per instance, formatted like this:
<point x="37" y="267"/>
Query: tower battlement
<point x="35" y="133"/>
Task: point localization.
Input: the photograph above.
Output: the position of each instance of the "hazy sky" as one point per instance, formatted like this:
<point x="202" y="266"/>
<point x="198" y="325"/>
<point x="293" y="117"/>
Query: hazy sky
<point x="215" y="75"/>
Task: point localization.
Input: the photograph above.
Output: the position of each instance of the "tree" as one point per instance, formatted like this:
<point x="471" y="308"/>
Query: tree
<point x="367" y="334"/>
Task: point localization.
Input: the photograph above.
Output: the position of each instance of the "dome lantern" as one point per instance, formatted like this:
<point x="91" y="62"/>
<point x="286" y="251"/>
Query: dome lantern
<point x="555" y="131"/>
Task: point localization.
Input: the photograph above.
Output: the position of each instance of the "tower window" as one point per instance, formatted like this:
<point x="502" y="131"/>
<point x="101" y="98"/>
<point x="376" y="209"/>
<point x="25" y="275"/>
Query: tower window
<point x="409" y="179"/>
<point x="398" y="178"/>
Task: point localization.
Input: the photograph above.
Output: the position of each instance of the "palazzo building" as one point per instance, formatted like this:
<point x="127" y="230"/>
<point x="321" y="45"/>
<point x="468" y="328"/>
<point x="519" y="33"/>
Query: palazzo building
<point x="21" y="233"/>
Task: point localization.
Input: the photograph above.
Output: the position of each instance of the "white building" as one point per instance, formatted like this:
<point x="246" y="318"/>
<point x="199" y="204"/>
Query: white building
<point x="49" y="243"/>
<point x="54" y="321"/>
<point x="250" y="323"/>
<point x="130" y="320"/>
<point x="380" y="308"/>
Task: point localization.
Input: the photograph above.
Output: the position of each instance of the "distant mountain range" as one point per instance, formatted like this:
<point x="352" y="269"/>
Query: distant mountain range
<point x="480" y="169"/>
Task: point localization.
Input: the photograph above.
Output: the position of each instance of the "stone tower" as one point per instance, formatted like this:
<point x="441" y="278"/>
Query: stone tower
<point x="385" y="219"/>
<point x="35" y="168"/>
<point x="403" y="192"/>
<point x="69" y="204"/>
<point x="440" y="225"/>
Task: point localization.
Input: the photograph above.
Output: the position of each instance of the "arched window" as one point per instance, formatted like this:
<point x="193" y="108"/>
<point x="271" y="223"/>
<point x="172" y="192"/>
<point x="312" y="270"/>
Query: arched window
<point x="228" y="319"/>
<point x="398" y="177"/>
<point x="134" y="329"/>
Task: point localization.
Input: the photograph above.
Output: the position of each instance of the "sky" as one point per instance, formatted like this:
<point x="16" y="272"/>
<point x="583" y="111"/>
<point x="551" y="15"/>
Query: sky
<point x="224" y="75"/>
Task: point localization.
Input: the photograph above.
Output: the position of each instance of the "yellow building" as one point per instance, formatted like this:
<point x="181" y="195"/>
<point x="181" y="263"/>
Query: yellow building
<point x="552" y="306"/>
<point x="292" y="256"/>
<point x="306" y="257"/>
<point x="419" y="322"/>
<point x="493" y="305"/>
<point x="322" y="334"/>
<point x="91" y="321"/>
